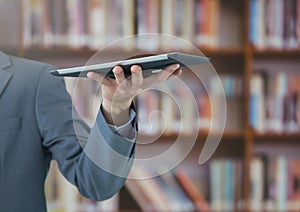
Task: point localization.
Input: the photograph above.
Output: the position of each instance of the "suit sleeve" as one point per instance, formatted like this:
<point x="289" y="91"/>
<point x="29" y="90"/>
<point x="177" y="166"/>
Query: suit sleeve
<point x="98" y="160"/>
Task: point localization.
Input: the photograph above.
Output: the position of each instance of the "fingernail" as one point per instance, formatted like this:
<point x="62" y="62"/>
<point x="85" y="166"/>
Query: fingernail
<point x="117" y="70"/>
<point x="90" y="74"/>
<point x="176" y="66"/>
<point x="135" y="69"/>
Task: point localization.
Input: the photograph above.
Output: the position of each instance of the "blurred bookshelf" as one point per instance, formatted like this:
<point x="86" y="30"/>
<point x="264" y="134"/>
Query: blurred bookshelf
<point x="255" y="48"/>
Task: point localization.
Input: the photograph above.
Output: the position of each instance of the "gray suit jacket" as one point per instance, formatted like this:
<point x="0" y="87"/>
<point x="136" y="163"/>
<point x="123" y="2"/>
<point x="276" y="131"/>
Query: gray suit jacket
<point x="36" y="126"/>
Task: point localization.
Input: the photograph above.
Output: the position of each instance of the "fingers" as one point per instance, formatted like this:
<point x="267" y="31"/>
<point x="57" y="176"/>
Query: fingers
<point x="176" y="73"/>
<point x="100" y="78"/>
<point x="168" y="71"/>
<point x="137" y="79"/>
<point x="137" y="76"/>
<point x="119" y="75"/>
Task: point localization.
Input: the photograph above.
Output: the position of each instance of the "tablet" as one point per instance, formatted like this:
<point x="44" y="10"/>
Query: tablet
<point x="150" y="65"/>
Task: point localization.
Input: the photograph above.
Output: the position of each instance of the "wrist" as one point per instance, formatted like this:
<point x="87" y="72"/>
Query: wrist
<point x="114" y="113"/>
<point x="115" y="107"/>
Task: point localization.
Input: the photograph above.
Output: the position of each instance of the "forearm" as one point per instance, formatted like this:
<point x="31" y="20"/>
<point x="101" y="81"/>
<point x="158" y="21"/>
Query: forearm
<point x="100" y="169"/>
<point x="116" y="115"/>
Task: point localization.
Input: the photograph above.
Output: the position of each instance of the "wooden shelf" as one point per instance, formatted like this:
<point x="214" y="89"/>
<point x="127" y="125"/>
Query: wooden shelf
<point x="235" y="135"/>
<point x="39" y="52"/>
<point x="277" y="136"/>
<point x="61" y="50"/>
<point x="234" y="51"/>
<point x="276" y="52"/>
<point x="201" y="135"/>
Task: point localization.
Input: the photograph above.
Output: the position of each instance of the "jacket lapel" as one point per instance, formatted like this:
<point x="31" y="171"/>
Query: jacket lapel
<point x="4" y="75"/>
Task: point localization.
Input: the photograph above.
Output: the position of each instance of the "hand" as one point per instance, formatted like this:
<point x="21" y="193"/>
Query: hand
<point x="119" y="93"/>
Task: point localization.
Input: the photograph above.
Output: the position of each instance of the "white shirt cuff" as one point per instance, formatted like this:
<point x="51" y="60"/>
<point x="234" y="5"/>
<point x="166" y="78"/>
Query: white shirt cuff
<point x="126" y="130"/>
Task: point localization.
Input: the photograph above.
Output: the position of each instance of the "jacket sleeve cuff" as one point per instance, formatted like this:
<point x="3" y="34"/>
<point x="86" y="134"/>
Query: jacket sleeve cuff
<point x="127" y="130"/>
<point x="107" y="138"/>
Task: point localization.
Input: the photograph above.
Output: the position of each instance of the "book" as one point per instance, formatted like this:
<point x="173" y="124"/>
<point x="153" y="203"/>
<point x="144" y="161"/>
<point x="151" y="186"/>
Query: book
<point x="273" y="24"/>
<point x="187" y="184"/>
<point x="274" y="102"/>
<point x="168" y="107"/>
<point x="228" y="185"/>
<point x="77" y="35"/>
<point x="178" y="193"/>
<point x="207" y="23"/>
<point x="176" y="199"/>
<point x="256" y="179"/>
<point x="298" y="21"/>
<point x="200" y="14"/>
<point x="274" y="183"/>
<point x="97" y="18"/>
<point x="225" y="187"/>
<point x="290" y="15"/>
<point x="141" y="197"/>
<point x="216" y="185"/>
<point x="281" y="181"/>
<point x="150" y="189"/>
<point x="147" y="18"/>
<point x="257" y="103"/>
<point x="148" y="107"/>
<point x="293" y="202"/>
<point x="167" y="23"/>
